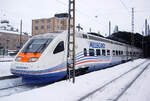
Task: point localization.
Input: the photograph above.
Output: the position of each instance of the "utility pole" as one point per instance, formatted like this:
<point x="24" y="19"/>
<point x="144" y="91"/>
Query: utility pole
<point x="132" y="34"/>
<point x="109" y="28"/>
<point x="71" y="41"/>
<point x="20" y="34"/>
<point x="145" y="27"/>
<point x="90" y="30"/>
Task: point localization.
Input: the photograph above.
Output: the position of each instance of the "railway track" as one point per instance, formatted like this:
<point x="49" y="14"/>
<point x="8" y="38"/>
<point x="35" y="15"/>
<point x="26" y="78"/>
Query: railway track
<point x="13" y="84"/>
<point x="8" y="77"/>
<point x="108" y="84"/>
<point x="6" y="60"/>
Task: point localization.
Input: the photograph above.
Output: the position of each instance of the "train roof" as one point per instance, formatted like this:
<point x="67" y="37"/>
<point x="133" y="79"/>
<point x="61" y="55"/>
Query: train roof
<point x="48" y="35"/>
<point x="81" y="34"/>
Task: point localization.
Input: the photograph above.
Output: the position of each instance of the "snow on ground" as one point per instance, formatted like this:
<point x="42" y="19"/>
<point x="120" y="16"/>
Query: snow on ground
<point x="66" y="91"/>
<point x="140" y="90"/>
<point x="5" y="66"/>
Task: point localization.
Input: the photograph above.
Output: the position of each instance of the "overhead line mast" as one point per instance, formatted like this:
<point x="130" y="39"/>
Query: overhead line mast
<point x="132" y="35"/>
<point x="71" y="41"/>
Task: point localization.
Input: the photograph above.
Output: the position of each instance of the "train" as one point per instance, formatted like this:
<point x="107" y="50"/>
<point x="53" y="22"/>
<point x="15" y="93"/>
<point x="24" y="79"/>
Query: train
<point x="43" y="58"/>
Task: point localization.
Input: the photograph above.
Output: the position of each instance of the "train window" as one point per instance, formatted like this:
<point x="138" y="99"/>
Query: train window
<point x="113" y="52"/>
<point x="59" y="47"/>
<point x="116" y="52"/>
<point x="130" y="53"/>
<point x="84" y="36"/>
<point x="91" y="52"/>
<point x="103" y="52"/>
<point x="98" y="52"/>
<point x="85" y="52"/>
<point x="108" y="52"/>
<point x="119" y="53"/>
<point x="36" y="45"/>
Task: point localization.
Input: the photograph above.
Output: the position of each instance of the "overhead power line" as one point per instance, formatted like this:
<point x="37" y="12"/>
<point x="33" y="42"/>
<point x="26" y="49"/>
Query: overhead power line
<point x="124" y="5"/>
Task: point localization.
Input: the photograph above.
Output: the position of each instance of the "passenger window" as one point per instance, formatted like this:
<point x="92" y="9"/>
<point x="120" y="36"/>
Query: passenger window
<point x="119" y="53"/>
<point x="113" y="52"/>
<point x="103" y="52"/>
<point x="84" y="36"/>
<point x="91" y="52"/>
<point x="108" y="52"/>
<point x="85" y="52"/>
<point x="116" y="52"/>
<point x="98" y="52"/>
<point x="59" y="47"/>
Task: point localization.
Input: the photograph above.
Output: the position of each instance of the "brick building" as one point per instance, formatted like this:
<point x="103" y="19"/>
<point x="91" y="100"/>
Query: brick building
<point x="45" y="25"/>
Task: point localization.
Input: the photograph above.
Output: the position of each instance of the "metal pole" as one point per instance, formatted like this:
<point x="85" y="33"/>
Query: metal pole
<point x="109" y="28"/>
<point x="74" y="34"/>
<point x="68" y="65"/>
<point x="20" y="33"/>
<point x="132" y="34"/>
<point x="71" y="41"/>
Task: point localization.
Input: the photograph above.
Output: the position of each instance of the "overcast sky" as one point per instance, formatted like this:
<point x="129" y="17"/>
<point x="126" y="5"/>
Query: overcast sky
<point x="94" y="14"/>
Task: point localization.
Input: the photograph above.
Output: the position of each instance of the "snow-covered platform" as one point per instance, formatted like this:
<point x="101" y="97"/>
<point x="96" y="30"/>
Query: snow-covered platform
<point x="85" y="84"/>
<point x="5" y="62"/>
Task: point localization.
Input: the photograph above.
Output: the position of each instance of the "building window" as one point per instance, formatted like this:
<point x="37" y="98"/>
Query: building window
<point x="62" y="22"/>
<point x="103" y="52"/>
<point x="98" y="52"/>
<point x="42" y="27"/>
<point x="36" y="28"/>
<point x="42" y="20"/>
<point x="85" y="52"/>
<point x="59" y="47"/>
<point x="91" y="52"/>
<point x="36" y="21"/>
<point x="48" y="26"/>
<point x="48" y="20"/>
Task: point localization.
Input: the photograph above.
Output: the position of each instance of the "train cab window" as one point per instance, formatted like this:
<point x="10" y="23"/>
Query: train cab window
<point x="98" y="52"/>
<point x="36" y="45"/>
<point x="85" y="52"/>
<point x="108" y="52"/>
<point x="59" y="47"/>
<point x="91" y="52"/>
<point x="103" y="52"/>
<point x="113" y="52"/>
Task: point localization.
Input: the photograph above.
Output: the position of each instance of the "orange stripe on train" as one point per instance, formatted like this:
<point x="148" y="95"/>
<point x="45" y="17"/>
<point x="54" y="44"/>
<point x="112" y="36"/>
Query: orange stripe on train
<point x="27" y="56"/>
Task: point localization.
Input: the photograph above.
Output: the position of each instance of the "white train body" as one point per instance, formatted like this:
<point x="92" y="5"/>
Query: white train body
<point x="43" y="58"/>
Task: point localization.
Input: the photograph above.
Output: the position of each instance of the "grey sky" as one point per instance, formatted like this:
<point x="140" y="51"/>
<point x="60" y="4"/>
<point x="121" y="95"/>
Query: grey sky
<point x="89" y="13"/>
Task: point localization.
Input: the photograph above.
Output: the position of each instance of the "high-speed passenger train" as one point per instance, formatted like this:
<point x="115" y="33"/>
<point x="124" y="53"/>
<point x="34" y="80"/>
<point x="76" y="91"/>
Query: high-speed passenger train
<point x="43" y="58"/>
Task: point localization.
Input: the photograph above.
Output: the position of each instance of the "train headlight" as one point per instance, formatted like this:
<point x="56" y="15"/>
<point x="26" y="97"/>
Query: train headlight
<point x="18" y="58"/>
<point x="33" y="59"/>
